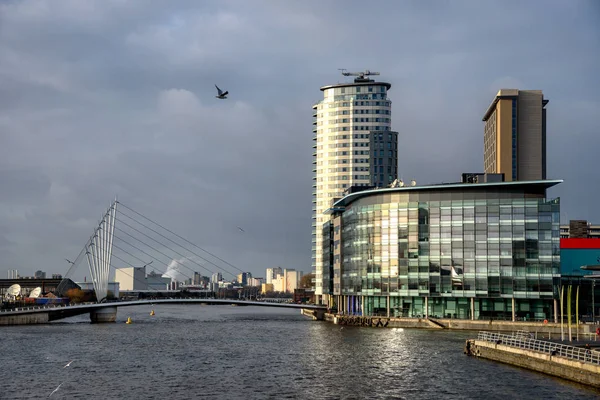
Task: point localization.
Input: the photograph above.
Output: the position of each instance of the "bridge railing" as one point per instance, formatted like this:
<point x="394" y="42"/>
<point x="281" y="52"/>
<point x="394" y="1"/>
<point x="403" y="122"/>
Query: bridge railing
<point x="5" y="310"/>
<point x="542" y="346"/>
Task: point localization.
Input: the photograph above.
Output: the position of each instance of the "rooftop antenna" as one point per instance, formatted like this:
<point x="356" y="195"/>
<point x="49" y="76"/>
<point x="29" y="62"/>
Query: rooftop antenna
<point x="360" y="76"/>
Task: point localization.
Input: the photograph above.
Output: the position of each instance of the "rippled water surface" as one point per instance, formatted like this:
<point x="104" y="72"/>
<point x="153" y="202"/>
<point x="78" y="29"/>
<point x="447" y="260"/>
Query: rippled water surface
<point x="222" y="352"/>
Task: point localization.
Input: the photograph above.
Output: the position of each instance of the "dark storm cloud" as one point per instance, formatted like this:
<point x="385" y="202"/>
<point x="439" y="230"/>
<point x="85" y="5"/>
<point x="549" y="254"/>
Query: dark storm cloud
<point x="99" y="98"/>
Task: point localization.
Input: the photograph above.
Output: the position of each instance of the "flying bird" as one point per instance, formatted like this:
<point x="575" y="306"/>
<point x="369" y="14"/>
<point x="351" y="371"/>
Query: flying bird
<point x="55" y="390"/>
<point x="241" y="230"/>
<point x="222" y="94"/>
<point x="69" y="363"/>
<point x="69" y="261"/>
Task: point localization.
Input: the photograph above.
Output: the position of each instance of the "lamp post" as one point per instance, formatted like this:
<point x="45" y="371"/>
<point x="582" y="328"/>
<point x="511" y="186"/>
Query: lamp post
<point x="577" y="311"/>
<point x="569" y="290"/>
<point x="593" y="302"/>
<point x="562" y="330"/>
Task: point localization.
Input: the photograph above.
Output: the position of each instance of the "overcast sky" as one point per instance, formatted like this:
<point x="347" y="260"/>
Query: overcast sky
<point x="116" y="97"/>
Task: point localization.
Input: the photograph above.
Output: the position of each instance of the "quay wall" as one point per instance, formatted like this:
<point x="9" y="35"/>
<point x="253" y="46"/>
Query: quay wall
<point x="510" y="326"/>
<point x="24" y="319"/>
<point x="549" y="329"/>
<point x="577" y="371"/>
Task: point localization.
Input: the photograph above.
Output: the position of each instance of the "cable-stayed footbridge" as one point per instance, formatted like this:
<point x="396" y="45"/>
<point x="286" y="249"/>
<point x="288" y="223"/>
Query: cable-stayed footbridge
<point x="126" y="238"/>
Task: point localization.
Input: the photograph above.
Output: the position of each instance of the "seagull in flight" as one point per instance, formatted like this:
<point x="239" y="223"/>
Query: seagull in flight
<point x="241" y="230"/>
<point x="55" y="390"/>
<point x="69" y="363"/>
<point x="222" y="94"/>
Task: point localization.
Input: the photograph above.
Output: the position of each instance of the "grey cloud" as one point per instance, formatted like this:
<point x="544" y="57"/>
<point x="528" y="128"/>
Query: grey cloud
<point x="23" y="186"/>
<point x="105" y="98"/>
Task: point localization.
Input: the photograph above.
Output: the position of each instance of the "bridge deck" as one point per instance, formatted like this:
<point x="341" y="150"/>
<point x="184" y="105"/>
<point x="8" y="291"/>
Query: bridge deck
<point x="59" y="312"/>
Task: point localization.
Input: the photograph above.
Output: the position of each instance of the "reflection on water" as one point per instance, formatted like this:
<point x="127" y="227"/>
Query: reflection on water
<point x="222" y="352"/>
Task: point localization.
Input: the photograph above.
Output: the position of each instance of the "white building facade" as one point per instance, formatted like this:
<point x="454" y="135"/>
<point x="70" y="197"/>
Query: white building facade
<point x="131" y="278"/>
<point x="353" y="145"/>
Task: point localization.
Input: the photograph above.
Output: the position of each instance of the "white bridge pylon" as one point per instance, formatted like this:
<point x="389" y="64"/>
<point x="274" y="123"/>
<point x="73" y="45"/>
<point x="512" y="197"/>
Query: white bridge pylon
<point x="99" y="251"/>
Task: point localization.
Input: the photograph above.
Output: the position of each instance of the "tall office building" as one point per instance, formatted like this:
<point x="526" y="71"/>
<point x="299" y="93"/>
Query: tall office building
<point x="272" y="274"/>
<point x="515" y="135"/>
<point x="216" y="277"/>
<point x="353" y="146"/>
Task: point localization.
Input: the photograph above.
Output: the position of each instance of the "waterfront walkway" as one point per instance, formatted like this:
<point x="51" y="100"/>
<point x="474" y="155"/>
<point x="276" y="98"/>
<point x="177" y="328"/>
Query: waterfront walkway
<point x="562" y="360"/>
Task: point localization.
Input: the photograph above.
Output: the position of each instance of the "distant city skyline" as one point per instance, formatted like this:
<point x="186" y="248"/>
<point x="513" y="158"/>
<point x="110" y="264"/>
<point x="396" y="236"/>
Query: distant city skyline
<point x="117" y="98"/>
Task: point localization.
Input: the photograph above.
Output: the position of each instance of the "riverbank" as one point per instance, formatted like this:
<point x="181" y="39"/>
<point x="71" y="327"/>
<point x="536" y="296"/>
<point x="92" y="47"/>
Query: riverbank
<point x="540" y="330"/>
<point x="576" y="364"/>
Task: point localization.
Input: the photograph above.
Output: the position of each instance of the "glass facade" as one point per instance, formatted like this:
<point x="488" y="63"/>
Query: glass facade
<point x="450" y="253"/>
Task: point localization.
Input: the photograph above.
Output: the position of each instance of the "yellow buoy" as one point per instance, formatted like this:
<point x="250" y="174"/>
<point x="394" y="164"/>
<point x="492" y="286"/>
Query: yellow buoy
<point x="152" y="312"/>
<point x="129" y="321"/>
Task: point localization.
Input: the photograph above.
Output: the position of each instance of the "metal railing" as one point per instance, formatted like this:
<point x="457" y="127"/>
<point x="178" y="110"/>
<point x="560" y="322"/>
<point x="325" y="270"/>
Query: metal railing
<point x="542" y="346"/>
<point x="40" y="307"/>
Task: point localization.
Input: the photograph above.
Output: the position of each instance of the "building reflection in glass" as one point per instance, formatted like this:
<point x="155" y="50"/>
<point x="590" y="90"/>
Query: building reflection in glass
<point x="471" y="251"/>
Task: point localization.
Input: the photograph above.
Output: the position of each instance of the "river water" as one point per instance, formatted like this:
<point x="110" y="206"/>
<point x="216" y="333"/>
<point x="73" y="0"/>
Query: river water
<point x="224" y="352"/>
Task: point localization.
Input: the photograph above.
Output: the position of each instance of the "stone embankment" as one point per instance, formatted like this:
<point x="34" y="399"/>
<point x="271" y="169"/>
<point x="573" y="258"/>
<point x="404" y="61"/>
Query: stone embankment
<point x="24" y="319"/>
<point x="538" y="329"/>
<point x="577" y="364"/>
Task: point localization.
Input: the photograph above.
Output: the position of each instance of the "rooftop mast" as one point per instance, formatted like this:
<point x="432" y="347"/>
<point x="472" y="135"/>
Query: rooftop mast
<point x="360" y="76"/>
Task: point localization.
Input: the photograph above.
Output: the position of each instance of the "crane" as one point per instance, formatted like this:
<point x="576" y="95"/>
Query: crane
<point x="359" y="75"/>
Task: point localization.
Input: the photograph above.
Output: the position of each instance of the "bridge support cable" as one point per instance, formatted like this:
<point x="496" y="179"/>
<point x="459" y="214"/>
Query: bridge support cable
<point x="174" y="251"/>
<point x="126" y="273"/>
<point x="219" y="267"/>
<point x="141" y="260"/>
<point x="99" y="251"/>
<point x="176" y="235"/>
<point x="62" y="286"/>
<point x="171" y="259"/>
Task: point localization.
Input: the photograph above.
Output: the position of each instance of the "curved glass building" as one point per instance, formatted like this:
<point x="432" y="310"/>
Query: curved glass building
<point x="465" y="250"/>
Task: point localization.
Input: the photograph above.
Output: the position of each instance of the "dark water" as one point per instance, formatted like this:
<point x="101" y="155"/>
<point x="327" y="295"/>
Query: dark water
<point x="222" y="352"/>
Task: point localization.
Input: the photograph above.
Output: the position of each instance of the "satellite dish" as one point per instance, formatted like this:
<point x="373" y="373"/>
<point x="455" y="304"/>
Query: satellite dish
<point x="401" y="183"/>
<point x="13" y="291"/>
<point x="413" y="183"/>
<point x="35" y="293"/>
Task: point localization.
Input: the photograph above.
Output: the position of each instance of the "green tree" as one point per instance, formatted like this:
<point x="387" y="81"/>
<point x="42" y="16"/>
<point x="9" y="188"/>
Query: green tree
<point x="306" y="281"/>
<point x="75" y="295"/>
